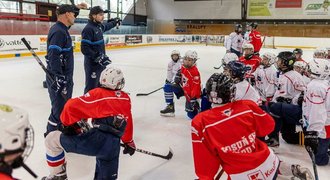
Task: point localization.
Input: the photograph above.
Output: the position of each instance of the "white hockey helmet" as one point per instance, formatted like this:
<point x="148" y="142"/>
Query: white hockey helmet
<point x="112" y="78"/>
<point x="301" y="64"/>
<point x="248" y="46"/>
<point x="320" y="53"/>
<point x="191" y="54"/>
<point x="16" y="131"/>
<point x="319" y="69"/>
<point x="229" y="57"/>
<point x="175" y="52"/>
<point x="270" y="57"/>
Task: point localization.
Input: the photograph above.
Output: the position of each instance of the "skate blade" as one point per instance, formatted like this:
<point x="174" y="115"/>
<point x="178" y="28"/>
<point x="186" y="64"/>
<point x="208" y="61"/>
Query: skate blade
<point x="168" y="114"/>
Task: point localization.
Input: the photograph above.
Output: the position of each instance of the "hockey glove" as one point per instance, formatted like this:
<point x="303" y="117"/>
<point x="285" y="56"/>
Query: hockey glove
<point x="103" y="60"/>
<point x="115" y="125"/>
<point x="59" y="83"/>
<point x="178" y="77"/>
<point x="167" y="81"/>
<point x="129" y="148"/>
<point x="300" y="99"/>
<point x="192" y="105"/>
<point x="312" y="140"/>
<point x="71" y="130"/>
<point x="117" y="21"/>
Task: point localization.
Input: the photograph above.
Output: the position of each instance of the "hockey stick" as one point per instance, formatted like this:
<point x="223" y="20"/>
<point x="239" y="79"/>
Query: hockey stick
<point x="167" y="157"/>
<point x="311" y="154"/>
<point x="40" y="63"/>
<point x="29" y="170"/>
<point x="146" y="94"/>
<point x="219" y="174"/>
<point x="217" y="67"/>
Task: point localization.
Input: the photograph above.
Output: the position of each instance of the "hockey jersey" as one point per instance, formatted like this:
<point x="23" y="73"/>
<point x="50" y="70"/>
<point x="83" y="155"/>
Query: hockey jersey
<point x="234" y="41"/>
<point x="253" y="63"/>
<point x="244" y="91"/>
<point x="191" y="82"/>
<point x="255" y="40"/>
<point x="316" y="107"/>
<point x="99" y="103"/>
<point x="238" y="150"/>
<point x="266" y="79"/>
<point x="172" y="69"/>
<point x="290" y="85"/>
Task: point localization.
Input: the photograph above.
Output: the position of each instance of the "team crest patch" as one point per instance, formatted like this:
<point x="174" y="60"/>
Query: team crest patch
<point x="227" y="112"/>
<point x="256" y="176"/>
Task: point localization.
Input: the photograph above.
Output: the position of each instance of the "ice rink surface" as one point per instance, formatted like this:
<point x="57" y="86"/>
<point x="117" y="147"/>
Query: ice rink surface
<point x="144" y="70"/>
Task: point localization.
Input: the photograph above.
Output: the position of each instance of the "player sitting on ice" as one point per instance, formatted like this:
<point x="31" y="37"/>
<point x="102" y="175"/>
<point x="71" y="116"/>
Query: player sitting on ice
<point x="266" y="77"/>
<point x="250" y="60"/>
<point x="205" y="103"/>
<point x="16" y="140"/>
<point x="286" y="103"/>
<point x="172" y="68"/>
<point x="110" y="108"/>
<point x="187" y="82"/>
<point x="226" y="136"/>
<point x="243" y="89"/>
<point x="316" y="110"/>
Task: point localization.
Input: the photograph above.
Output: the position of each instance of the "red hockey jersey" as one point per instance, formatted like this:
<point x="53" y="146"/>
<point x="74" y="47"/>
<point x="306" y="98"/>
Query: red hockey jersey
<point x="99" y="103"/>
<point x="227" y="136"/>
<point x="191" y="82"/>
<point x="255" y="40"/>
<point x="253" y="62"/>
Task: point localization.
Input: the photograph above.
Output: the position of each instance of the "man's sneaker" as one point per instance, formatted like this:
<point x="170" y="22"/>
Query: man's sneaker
<point x="301" y="172"/>
<point x="168" y="111"/>
<point x="272" y="142"/>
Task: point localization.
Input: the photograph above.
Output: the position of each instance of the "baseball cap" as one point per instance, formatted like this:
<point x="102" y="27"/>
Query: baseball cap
<point x="64" y="8"/>
<point x="97" y="10"/>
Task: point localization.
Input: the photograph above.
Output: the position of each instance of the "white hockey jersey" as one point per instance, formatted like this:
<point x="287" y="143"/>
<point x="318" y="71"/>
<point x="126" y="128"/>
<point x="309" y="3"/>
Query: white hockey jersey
<point x="290" y="85"/>
<point x="266" y="79"/>
<point x="234" y="41"/>
<point x="316" y="107"/>
<point x="172" y="69"/>
<point x="244" y="91"/>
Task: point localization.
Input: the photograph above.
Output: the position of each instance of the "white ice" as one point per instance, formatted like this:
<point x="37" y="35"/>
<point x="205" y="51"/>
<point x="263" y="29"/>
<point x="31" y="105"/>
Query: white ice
<point x="145" y="70"/>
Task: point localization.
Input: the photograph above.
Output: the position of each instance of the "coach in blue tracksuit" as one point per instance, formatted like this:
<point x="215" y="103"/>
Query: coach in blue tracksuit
<point x="93" y="47"/>
<point x="59" y="60"/>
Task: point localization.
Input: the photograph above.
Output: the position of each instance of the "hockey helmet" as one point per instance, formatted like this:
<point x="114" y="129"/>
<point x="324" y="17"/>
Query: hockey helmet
<point x="237" y="70"/>
<point x="298" y="51"/>
<point x="229" y="57"/>
<point x="238" y="27"/>
<point x="287" y="59"/>
<point x="319" y="69"/>
<point x="219" y="88"/>
<point x="300" y="64"/>
<point x="192" y="55"/>
<point x="269" y="57"/>
<point x="175" y="52"/>
<point x="16" y="133"/>
<point x="112" y="78"/>
<point x="254" y="25"/>
<point x="248" y="46"/>
<point x="321" y="53"/>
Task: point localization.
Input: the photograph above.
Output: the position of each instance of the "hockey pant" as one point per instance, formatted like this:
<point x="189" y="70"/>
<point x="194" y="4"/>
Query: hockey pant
<point x="286" y="117"/>
<point x="235" y="52"/>
<point x="104" y="146"/>
<point x="170" y="90"/>
<point x="205" y="103"/>
<point x="322" y="156"/>
<point x="92" y="76"/>
<point x="57" y="104"/>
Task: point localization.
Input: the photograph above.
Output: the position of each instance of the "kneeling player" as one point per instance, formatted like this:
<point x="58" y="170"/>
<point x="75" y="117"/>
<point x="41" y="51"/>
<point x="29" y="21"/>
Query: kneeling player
<point x="110" y="108"/>
<point x="240" y="153"/>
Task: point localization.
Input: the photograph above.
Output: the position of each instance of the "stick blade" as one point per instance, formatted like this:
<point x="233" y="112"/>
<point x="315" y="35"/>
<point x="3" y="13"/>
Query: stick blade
<point x="169" y="155"/>
<point x="142" y="94"/>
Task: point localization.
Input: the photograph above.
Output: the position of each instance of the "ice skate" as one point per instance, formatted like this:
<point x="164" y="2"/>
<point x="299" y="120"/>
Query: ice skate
<point x="168" y="111"/>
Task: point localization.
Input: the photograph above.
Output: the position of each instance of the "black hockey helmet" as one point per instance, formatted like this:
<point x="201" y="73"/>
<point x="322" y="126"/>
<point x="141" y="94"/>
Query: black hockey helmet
<point x="219" y="88"/>
<point x="237" y="69"/>
<point x="288" y="59"/>
<point x="298" y="51"/>
<point x="238" y="27"/>
<point x="254" y="25"/>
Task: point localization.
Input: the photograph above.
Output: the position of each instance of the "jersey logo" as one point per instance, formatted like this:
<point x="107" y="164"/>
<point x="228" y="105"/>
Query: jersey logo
<point x="256" y="176"/>
<point x="194" y="131"/>
<point x="227" y="112"/>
